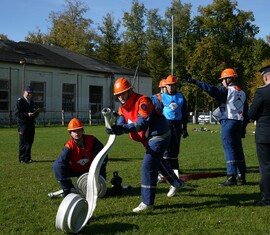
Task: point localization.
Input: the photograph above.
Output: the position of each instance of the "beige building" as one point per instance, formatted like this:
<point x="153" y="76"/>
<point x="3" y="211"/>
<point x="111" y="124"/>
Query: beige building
<point x="66" y="84"/>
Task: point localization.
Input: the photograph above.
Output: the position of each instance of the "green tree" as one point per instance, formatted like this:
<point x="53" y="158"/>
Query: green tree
<point x="108" y="43"/>
<point x="3" y="37"/>
<point x="37" y="37"/>
<point x="223" y="35"/>
<point x="158" y="60"/>
<point x="179" y="23"/>
<point x="69" y="29"/>
<point x="133" y="50"/>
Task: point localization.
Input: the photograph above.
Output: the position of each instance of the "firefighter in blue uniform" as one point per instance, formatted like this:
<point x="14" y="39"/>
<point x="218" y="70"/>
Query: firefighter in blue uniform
<point x="77" y="156"/>
<point x="260" y="112"/>
<point x="138" y="117"/>
<point x="176" y="112"/>
<point x="156" y="99"/>
<point x="24" y="111"/>
<point x="233" y="117"/>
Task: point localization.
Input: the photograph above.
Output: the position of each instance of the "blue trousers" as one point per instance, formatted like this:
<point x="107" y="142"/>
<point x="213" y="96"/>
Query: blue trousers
<point x="153" y="162"/>
<point x="232" y="145"/>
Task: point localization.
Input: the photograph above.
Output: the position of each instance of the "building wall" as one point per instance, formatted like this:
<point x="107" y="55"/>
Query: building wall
<point x="20" y="75"/>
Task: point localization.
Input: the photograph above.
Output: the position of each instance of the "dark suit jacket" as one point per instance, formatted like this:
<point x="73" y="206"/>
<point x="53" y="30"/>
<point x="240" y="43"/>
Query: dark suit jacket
<point x="260" y="112"/>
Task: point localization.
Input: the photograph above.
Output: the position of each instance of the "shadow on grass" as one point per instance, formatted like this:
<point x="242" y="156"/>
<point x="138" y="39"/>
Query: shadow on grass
<point x="123" y="159"/>
<point x="241" y="199"/>
<point x="40" y="161"/>
<point x="112" y="228"/>
<point x="251" y="169"/>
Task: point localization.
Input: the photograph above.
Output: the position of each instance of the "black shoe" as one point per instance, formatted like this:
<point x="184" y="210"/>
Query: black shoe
<point x="231" y="181"/>
<point x="262" y="203"/>
<point x="241" y="179"/>
<point x="29" y="161"/>
<point x="22" y="161"/>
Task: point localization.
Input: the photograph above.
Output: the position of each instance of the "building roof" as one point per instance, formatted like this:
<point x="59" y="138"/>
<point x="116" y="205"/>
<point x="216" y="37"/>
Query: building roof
<point x="57" y="57"/>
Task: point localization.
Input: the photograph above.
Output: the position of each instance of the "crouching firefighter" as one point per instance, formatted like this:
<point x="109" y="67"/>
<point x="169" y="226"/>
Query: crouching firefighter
<point x="138" y="117"/>
<point x="76" y="156"/>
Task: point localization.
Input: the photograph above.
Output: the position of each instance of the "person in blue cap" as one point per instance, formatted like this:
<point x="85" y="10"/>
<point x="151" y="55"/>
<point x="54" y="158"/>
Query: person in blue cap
<point x="25" y="112"/>
<point x="260" y="112"/>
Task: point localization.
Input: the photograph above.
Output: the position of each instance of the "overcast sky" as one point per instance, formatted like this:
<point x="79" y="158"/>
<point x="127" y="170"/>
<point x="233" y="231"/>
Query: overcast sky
<point x="19" y="17"/>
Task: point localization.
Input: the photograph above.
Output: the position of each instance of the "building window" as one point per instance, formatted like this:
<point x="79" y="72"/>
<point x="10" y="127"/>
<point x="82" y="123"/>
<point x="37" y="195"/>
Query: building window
<point x="39" y="94"/>
<point x="4" y="95"/>
<point x="95" y="99"/>
<point x="69" y="98"/>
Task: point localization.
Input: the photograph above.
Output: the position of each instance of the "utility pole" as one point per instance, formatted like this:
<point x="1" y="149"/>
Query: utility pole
<point x="172" y="62"/>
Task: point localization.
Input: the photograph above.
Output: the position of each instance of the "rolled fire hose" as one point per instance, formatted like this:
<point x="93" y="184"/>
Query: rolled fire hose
<point x="81" y="187"/>
<point x="74" y="211"/>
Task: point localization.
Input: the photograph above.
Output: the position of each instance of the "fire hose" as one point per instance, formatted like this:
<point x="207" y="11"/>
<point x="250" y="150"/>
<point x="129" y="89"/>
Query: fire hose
<point x="75" y="211"/>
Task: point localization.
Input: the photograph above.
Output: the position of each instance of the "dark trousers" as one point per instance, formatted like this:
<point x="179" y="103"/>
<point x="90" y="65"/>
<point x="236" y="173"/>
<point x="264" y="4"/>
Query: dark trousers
<point x="172" y="152"/>
<point x="263" y="152"/>
<point x="26" y="139"/>
<point x="63" y="173"/>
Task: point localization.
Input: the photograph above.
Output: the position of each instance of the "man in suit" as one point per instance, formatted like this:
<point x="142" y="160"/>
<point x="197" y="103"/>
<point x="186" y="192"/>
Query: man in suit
<point x="25" y="112"/>
<point x="260" y="112"/>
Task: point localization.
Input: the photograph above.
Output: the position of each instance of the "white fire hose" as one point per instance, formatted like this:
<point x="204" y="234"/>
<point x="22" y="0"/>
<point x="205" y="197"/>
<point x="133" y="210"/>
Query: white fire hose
<point x="74" y="211"/>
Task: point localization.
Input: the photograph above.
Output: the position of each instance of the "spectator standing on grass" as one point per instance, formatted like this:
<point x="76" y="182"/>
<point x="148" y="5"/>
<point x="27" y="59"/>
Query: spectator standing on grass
<point x="233" y="116"/>
<point x="25" y="112"/>
<point x="138" y="117"/>
<point x="260" y="112"/>
<point x="76" y="156"/>
<point x="176" y="112"/>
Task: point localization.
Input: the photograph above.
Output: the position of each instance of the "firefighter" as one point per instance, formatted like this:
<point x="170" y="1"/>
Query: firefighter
<point x="138" y="117"/>
<point x="176" y="112"/>
<point x="76" y="156"/>
<point x="233" y="117"/>
<point x="156" y="99"/>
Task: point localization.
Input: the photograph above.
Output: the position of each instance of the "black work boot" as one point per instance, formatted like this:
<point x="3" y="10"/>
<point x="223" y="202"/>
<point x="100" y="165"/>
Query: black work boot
<point x="231" y="180"/>
<point x="241" y="179"/>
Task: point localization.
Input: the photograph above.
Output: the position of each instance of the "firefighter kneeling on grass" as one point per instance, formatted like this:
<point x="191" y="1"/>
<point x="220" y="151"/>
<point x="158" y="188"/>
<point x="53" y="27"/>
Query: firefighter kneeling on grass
<point x="77" y="156"/>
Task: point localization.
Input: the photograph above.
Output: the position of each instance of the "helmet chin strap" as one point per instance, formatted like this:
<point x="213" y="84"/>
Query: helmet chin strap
<point x="128" y="92"/>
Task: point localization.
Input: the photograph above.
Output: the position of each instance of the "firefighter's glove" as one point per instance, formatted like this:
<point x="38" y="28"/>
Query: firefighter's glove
<point x="117" y="130"/>
<point x="184" y="133"/>
<point x="189" y="80"/>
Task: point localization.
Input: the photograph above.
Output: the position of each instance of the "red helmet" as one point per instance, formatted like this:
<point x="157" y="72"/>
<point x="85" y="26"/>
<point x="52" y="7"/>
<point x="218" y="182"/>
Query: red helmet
<point x="228" y="73"/>
<point x="74" y="124"/>
<point x="171" y="80"/>
<point x="162" y="83"/>
<point x="121" y="85"/>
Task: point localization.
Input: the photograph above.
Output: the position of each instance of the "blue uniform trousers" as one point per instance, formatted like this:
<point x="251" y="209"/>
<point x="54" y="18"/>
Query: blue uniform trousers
<point x="152" y="163"/>
<point x="232" y="144"/>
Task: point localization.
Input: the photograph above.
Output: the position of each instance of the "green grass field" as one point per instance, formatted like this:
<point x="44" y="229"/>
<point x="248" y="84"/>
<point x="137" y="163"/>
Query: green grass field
<point x="201" y="207"/>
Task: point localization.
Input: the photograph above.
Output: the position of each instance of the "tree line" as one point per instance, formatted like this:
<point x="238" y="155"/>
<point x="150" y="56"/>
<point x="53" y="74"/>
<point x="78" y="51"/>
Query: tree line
<point x="218" y="37"/>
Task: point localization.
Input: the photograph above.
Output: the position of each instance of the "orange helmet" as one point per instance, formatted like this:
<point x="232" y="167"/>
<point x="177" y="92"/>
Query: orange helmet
<point x="74" y="124"/>
<point x="171" y="80"/>
<point x="162" y="83"/>
<point x="228" y="73"/>
<point x="121" y="85"/>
